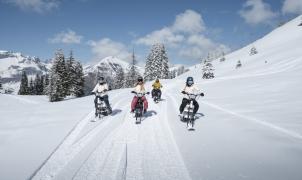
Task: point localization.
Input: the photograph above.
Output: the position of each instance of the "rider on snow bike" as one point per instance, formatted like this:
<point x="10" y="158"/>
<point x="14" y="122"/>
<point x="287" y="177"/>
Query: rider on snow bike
<point x="156" y="89"/>
<point x="190" y="88"/>
<point x="139" y="88"/>
<point x="102" y="87"/>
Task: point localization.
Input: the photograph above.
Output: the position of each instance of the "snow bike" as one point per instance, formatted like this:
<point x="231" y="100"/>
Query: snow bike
<point x="101" y="109"/>
<point x="188" y="115"/>
<point x="139" y="107"/>
<point x="156" y="95"/>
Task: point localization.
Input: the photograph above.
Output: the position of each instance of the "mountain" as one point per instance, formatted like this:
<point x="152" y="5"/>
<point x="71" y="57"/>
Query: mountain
<point x="13" y="63"/>
<point x="111" y="65"/>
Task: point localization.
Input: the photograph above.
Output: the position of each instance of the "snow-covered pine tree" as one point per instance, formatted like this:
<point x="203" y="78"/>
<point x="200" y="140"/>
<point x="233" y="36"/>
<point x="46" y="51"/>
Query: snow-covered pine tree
<point x="119" y="79"/>
<point x="45" y="84"/>
<point x="222" y="58"/>
<point x="208" y="69"/>
<point x="165" y="67"/>
<point x="253" y="51"/>
<point x="31" y="87"/>
<point x="57" y="89"/>
<point x="157" y="63"/>
<point x="71" y="74"/>
<point x="238" y="65"/>
<point x="132" y="73"/>
<point x="38" y="85"/>
<point x="77" y="86"/>
<point x="148" y="68"/>
<point x="23" y="90"/>
<point x="1" y="84"/>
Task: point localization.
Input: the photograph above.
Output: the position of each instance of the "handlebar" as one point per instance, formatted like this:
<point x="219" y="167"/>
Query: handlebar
<point x="140" y="93"/>
<point x="189" y="94"/>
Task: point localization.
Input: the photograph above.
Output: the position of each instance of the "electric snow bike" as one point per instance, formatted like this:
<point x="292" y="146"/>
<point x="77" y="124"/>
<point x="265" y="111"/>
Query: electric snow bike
<point x="188" y="115"/>
<point x="139" y="107"/>
<point x="101" y="109"/>
<point x="156" y="95"/>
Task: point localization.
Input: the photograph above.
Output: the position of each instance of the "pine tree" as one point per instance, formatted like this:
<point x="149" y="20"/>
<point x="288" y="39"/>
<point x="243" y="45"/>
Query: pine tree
<point x="1" y="84"/>
<point x="38" y="85"/>
<point x="57" y="89"/>
<point x="238" y="65"/>
<point x="120" y="78"/>
<point x="208" y="69"/>
<point x="222" y="57"/>
<point x="45" y="84"/>
<point x="77" y="85"/>
<point x="70" y="74"/>
<point x="31" y="87"/>
<point x="157" y="63"/>
<point x="253" y="51"/>
<point x="23" y="90"/>
<point x="132" y="73"/>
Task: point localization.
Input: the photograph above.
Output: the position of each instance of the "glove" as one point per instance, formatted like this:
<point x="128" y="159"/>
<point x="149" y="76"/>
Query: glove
<point x="183" y="92"/>
<point x="201" y="94"/>
<point x="92" y="93"/>
<point x="132" y="91"/>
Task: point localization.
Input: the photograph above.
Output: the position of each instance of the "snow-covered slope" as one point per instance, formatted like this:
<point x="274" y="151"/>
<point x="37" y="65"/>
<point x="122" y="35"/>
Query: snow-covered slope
<point x="248" y="127"/>
<point x="278" y="51"/>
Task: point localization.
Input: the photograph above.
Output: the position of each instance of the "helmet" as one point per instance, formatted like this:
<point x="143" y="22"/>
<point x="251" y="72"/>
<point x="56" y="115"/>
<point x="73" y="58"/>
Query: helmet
<point x="190" y="81"/>
<point x="140" y="79"/>
<point x="101" y="80"/>
<point x="157" y="80"/>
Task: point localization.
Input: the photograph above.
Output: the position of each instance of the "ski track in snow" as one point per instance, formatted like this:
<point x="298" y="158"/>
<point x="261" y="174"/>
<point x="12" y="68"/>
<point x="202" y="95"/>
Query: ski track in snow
<point x="68" y="149"/>
<point x="137" y="151"/>
<point x="264" y="123"/>
<point x="254" y="120"/>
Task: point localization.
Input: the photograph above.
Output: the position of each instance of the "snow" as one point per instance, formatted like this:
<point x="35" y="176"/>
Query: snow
<point x="248" y="127"/>
<point x="111" y="61"/>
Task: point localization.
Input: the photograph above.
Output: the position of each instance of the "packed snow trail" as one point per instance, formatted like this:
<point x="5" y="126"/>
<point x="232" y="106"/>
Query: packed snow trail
<point x="122" y="150"/>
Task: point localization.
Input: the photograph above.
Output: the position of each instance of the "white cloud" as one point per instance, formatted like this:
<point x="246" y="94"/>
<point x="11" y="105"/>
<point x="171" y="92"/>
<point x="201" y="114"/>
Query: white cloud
<point x="198" y="46"/>
<point x="257" y="12"/>
<point x="69" y="37"/>
<point x="107" y="47"/>
<point x="185" y="37"/>
<point x="292" y="6"/>
<point x="39" y="6"/>
<point x="189" y="22"/>
<point x="164" y="35"/>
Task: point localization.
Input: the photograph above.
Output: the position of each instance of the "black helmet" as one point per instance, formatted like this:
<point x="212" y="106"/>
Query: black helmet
<point x="101" y="80"/>
<point x="190" y="81"/>
<point x="140" y="79"/>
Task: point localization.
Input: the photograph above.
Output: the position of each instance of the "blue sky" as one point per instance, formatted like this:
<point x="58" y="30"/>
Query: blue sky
<point x="94" y="29"/>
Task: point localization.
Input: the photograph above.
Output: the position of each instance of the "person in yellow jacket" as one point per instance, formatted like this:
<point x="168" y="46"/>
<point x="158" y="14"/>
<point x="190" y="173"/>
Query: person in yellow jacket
<point x="156" y="88"/>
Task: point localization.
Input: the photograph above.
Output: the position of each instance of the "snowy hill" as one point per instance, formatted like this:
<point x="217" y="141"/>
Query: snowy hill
<point x="248" y="127"/>
<point x="278" y="51"/>
<point x="13" y="63"/>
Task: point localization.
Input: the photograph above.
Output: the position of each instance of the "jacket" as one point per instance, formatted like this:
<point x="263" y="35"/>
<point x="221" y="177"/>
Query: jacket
<point x="157" y="85"/>
<point x="191" y="90"/>
<point x="140" y="88"/>
<point x="100" y="88"/>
